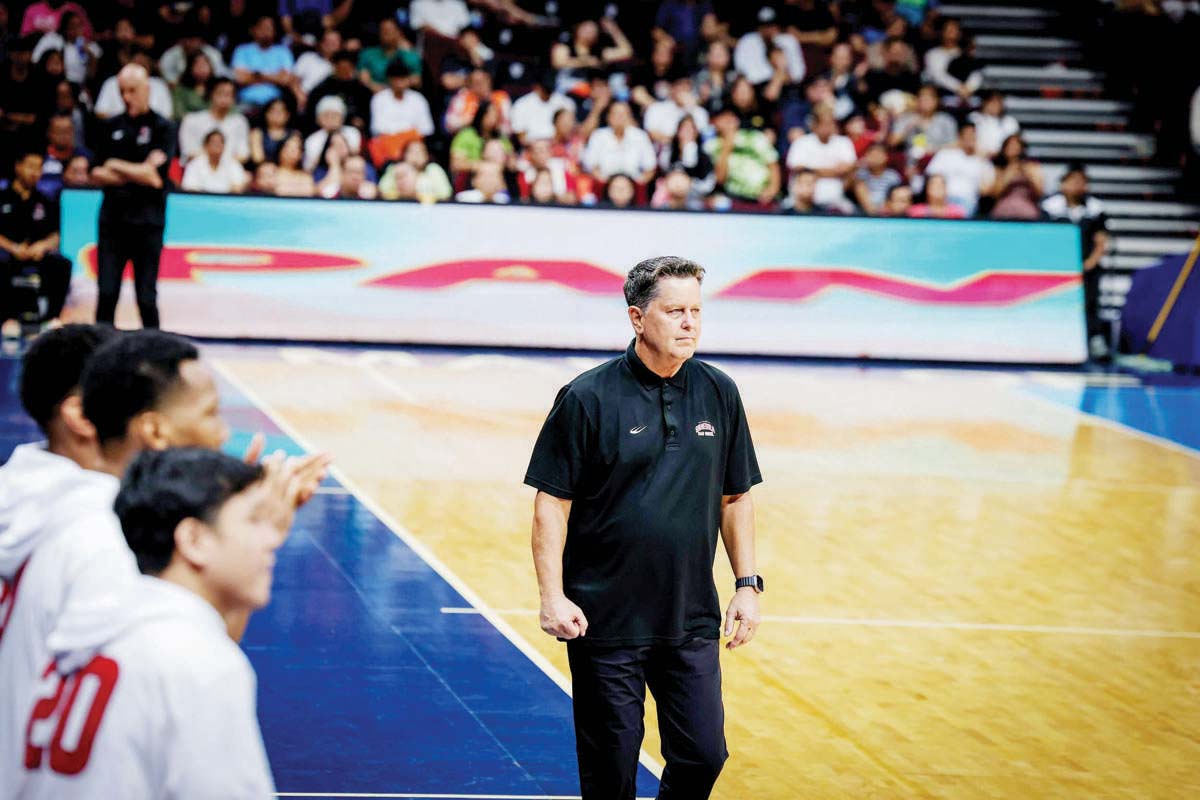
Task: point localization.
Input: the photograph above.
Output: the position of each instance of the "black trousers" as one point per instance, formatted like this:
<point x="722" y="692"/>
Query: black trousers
<point x="1091" y="303"/>
<point x="609" y="702"/>
<point x="118" y="244"/>
<point x="54" y="270"/>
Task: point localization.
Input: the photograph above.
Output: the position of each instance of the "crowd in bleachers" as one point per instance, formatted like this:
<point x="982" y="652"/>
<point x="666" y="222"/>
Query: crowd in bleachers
<point x="857" y="106"/>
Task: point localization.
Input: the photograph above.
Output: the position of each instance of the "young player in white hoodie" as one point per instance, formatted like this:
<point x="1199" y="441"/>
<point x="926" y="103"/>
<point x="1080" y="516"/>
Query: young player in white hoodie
<point x="63" y="559"/>
<point x="161" y="704"/>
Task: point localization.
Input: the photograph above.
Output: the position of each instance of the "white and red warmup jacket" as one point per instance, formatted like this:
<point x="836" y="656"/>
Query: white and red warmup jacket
<point x="162" y="708"/>
<point x="64" y="568"/>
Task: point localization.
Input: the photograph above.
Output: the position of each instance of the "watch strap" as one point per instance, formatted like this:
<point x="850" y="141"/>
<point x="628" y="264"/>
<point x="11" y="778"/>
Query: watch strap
<point x="754" y="582"/>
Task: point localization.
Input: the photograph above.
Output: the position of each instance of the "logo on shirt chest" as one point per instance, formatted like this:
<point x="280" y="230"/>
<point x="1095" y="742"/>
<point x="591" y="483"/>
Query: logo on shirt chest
<point x="39" y="212"/>
<point x="6" y="208"/>
<point x="143" y="136"/>
<point x="705" y="429"/>
<point x="118" y="135"/>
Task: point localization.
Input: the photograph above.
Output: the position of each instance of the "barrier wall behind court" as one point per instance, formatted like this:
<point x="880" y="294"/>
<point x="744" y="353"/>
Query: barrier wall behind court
<point x="549" y="277"/>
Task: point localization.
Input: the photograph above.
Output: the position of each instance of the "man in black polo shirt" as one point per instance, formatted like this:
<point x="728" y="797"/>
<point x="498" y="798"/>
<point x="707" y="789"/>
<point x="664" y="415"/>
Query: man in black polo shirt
<point x="133" y="156"/>
<point x="29" y="240"/>
<point x="640" y="463"/>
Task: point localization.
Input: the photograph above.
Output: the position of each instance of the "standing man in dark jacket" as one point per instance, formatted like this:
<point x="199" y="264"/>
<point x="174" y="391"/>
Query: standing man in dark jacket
<point x="133" y="157"/>
<point x="639" y="465"/>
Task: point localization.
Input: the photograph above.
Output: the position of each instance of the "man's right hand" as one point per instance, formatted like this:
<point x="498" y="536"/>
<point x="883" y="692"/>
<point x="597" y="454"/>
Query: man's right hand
<point x="562" y="618"/>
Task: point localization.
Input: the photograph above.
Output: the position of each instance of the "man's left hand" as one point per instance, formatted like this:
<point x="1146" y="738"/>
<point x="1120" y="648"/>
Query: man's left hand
<point x="743" y="612"/>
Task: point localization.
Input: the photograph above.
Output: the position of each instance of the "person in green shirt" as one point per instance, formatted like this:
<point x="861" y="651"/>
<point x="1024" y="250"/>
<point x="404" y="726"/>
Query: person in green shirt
<point x="466" y="148"/>
<point x="746" y="163"/>
<point x="373" y="61"/>
<point x="191" y="93"/>
<point x="415" y="177"/>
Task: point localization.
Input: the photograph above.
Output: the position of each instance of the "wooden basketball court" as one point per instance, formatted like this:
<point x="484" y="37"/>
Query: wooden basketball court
<point x="974" y="589"/>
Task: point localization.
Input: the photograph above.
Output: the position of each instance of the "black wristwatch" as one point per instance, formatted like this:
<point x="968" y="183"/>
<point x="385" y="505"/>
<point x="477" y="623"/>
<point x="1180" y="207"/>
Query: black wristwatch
<point x="754" y="581"/>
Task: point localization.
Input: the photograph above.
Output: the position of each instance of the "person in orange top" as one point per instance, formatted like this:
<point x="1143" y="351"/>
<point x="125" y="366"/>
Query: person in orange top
<point x="465" y="102"/>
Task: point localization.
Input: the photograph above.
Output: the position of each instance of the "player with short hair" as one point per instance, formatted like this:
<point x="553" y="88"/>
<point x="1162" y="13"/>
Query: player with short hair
<point x="63" y="559"/>
<point x="162" y="703"/>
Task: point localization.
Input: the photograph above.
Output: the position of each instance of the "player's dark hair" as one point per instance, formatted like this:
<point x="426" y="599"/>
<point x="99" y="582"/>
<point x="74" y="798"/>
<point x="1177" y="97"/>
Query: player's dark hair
<point x="162" y="488"/>
<point x="53" y="366"/>
<point x="641" y="285"/>
<point x="130" y="375"/>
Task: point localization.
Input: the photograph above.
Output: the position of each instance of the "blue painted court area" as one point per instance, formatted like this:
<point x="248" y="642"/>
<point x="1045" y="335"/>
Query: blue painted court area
<point x="1166" y="406"/>
<point x="367" y="689"/>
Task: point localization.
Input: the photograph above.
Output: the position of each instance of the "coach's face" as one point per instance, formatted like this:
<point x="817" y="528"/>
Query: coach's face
<point x="670" y="324"/>
<point x="191" y="412"/>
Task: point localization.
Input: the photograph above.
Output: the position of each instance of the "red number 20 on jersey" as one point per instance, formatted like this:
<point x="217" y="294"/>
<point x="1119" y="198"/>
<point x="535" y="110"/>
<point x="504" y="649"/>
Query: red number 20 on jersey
<point x="67" y="715"/>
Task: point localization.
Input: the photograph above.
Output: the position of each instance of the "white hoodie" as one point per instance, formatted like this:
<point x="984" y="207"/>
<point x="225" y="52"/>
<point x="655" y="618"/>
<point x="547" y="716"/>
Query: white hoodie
<point x="64" y="567"/>
<point x="164" y="710"/>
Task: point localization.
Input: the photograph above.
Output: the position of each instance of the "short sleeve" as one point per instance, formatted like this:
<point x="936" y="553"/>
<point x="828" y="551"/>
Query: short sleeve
<point x="847" y="148"/>
<point x="241" y="58"/>
<point x="425" y="122"/>
<point x="103" y="149"/>
<point x="764" y="149"/>
<point x="560" y="453"/>
<point x="165" y="139"/>
<point x="646" y="158"/>
<point x="796" y="154"/>
<point x="741" y="462"/>
<point x="50" y="225"/>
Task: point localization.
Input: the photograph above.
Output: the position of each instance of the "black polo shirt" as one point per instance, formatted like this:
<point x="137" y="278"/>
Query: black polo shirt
<point x="133" y="139"/>
<point x="645" y="462"/>
<point x="27" y="219"/>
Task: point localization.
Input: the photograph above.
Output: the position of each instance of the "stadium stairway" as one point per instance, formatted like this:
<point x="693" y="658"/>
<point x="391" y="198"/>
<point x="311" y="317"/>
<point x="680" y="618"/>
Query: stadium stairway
<point x="1067" y="114"/>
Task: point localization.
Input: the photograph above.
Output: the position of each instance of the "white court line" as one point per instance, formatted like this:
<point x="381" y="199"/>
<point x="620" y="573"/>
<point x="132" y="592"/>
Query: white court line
<point x="427" y="555"/>
<point x="442" y="796"/>
<point x="1064" y="630"/>
<point x="405" y="396"/>
<point x="331" y="490"/>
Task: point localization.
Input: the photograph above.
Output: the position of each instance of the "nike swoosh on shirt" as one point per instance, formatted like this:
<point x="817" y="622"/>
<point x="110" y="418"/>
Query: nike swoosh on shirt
<point x="637" y="430"/>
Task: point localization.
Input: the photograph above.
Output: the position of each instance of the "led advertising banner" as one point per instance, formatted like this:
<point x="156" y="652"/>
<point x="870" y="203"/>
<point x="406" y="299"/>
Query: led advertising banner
<point x="252" y="267"/>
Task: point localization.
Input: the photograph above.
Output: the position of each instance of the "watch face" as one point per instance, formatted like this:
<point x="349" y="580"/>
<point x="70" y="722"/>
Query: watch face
<point x="762" y="587"/>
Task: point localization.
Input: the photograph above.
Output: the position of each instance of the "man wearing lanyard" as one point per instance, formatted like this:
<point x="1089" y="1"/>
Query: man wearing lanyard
<point x="640" y="463"/>
<point x="133" y="157"/>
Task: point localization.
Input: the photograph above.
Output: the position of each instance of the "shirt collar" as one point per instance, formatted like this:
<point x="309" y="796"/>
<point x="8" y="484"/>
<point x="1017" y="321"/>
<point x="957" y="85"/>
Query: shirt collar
<point x="649" y="378"/>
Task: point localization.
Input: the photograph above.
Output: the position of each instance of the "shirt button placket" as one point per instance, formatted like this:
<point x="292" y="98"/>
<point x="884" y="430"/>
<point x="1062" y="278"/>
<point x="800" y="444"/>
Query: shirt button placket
<point x="670" y="417"/>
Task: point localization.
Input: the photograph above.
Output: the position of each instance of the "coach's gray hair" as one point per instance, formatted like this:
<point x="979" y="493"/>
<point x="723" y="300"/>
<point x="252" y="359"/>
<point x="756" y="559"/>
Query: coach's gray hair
<point x="641" y="285"/>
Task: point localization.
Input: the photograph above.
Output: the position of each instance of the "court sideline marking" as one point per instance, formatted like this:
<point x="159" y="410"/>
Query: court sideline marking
<point x="423" y="552"/>
<point x="916" y="623"/>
